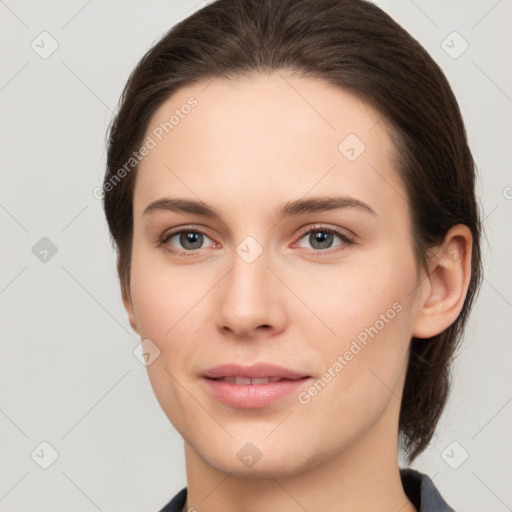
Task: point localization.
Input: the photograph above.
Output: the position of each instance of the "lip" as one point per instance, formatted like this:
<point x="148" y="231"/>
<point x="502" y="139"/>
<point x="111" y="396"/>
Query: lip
<point x="258" y="370"/>
<point x="251" y="396"/>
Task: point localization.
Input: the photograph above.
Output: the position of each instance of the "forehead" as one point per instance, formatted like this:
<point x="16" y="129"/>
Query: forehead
<point x="266" y="136"/>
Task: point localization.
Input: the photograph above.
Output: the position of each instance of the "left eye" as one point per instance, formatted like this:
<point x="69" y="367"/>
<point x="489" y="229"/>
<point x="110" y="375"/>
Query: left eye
<point x="322" y="238"/>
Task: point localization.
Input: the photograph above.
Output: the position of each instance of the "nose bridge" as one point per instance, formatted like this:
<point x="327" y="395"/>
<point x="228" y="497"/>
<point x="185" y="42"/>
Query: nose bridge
<point x="249" y="274"/>
<point x="248" y="298"/>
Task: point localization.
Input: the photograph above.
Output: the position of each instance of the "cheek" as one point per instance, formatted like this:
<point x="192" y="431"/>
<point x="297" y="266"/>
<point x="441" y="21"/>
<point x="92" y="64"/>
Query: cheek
<point x="366" y="323"/>
<point x="165" y="298"/>
<point x="363" y="364"/>
<point x="347" y="301"/>
<point x="169" y="310"/>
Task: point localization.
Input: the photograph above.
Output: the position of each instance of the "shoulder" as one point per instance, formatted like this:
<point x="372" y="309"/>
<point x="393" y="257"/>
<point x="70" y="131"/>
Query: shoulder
<point x="418" y="486"/>
<point x="422" y="492"/>
<point x="177" y="503"/>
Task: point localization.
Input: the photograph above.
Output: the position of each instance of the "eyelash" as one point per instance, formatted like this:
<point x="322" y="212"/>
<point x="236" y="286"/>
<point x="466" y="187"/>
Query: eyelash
<point x="346" y="239"/>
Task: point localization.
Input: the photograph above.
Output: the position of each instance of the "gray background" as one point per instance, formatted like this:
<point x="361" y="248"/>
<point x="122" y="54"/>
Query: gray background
<point x="68" y="374"/>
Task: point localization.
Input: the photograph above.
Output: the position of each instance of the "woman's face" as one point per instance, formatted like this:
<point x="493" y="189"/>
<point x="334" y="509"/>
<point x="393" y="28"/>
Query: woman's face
<point x="329" y="293"/>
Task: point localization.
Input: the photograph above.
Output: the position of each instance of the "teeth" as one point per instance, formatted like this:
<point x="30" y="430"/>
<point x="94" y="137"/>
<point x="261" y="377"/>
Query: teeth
<point x="240" y="380"/>
<point x="244" y="381"/>
<point x="265" y="380"/>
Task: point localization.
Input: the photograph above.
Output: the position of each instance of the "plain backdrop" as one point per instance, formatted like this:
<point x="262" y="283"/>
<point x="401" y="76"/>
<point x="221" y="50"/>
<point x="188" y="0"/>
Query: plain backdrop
<point x="74" y="398"/>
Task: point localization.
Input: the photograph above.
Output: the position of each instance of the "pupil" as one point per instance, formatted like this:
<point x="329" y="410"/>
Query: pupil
<point x="321" y="238"/>
<point x="188" y="239"/>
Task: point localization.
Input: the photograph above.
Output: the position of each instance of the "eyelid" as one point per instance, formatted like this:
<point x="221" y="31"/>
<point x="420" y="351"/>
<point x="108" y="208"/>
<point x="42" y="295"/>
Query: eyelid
<point x="195" y="228"/>
<point x="331" y="229"/>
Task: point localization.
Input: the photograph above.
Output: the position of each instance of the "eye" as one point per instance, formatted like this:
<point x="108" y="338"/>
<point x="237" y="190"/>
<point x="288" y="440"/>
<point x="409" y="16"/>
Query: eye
<point x="188" y="240"/>
<point x="321" y="238"/>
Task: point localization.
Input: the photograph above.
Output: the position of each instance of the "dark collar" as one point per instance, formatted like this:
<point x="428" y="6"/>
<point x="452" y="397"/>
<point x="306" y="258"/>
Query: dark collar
<point x="418" y="487"/>
<point x="422" y="492"/>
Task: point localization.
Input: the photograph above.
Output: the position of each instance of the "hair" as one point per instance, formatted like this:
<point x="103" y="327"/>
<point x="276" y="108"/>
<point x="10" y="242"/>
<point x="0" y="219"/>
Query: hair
<point x="357" y="47"/>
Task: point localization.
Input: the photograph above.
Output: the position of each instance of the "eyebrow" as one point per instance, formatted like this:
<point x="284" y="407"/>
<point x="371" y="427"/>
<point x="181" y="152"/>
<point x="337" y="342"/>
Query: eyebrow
<point x="289" y="209"/>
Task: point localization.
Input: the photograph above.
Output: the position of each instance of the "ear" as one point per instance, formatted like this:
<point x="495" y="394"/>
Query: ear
<point x="128" y="305"/>
<point x="443" y="290"/>
<point x="127" y="301"/>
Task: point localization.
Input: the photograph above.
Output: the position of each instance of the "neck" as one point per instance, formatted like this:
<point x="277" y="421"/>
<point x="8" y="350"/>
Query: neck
<point x="360" y="478"/>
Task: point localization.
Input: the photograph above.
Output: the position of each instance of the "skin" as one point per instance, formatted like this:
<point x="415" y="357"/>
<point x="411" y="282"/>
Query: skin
<point x="248" y="147"/>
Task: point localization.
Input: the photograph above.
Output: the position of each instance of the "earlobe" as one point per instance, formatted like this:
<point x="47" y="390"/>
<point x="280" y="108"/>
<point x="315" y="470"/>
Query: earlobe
<point x="128" y="305"/>
<point x="126" y="296"/>
<point x="445" y="287"/>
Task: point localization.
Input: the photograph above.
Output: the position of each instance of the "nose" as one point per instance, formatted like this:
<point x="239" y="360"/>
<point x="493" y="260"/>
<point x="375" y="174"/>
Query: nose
<point x="250" y="299"/>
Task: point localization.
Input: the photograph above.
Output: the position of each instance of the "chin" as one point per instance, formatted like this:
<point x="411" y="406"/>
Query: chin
<point x="248" y="461"/>
<point x="262" y="469"/>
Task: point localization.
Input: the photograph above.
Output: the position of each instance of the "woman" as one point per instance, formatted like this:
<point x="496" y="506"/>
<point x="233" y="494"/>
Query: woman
<point x="291" y="195"/>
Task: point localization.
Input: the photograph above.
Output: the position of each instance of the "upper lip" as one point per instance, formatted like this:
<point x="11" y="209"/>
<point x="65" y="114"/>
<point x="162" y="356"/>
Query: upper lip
<point x="259" y="370"/>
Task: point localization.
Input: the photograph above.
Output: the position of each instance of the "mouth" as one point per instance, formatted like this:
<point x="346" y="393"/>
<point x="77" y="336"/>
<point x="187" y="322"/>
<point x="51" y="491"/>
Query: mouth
<point x="255" y="381"/>
<point x="259" y="373"/>
<point x="251" y="387"/>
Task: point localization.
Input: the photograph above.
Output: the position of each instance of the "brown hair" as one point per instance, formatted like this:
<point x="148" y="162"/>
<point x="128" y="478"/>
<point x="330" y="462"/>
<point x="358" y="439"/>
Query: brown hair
<point x="356" y="46"/>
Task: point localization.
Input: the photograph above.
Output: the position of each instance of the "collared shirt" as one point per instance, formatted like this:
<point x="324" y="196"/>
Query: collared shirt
<point x="418" y="487"/>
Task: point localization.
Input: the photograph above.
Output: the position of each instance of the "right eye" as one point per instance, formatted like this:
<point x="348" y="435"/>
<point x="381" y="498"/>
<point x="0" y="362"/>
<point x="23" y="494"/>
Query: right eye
<point x="190" y="240"/>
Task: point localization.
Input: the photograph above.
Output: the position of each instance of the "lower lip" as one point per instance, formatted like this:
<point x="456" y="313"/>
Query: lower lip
<point x="251" y="396"/>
